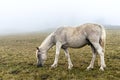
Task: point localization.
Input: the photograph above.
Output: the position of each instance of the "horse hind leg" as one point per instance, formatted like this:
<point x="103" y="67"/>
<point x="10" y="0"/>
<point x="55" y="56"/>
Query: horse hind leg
<point x="70" y="65"/>
<point x="99" y="50"/>
<point x="91" y="66"/>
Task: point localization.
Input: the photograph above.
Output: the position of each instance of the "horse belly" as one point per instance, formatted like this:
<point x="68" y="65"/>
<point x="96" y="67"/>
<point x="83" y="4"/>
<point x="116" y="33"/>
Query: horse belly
<point x="77" y="43"/>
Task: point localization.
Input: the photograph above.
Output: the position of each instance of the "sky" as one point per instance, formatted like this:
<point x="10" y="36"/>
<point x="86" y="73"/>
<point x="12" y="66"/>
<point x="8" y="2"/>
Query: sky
<point x="17" y="16"/>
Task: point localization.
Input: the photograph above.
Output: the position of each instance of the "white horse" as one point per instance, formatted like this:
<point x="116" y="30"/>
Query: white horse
<point x="74" y="37"/>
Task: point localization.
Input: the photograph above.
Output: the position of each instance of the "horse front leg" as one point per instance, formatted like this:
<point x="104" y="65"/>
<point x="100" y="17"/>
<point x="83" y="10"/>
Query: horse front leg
<point x="58" y="47"/>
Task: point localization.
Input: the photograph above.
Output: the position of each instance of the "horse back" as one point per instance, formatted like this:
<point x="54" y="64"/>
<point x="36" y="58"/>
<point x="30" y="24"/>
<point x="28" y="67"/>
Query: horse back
<point x="78" y="36"/>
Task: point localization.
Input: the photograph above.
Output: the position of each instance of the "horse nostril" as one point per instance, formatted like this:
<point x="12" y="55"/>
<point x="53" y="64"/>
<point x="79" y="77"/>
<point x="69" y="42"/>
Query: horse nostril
<point x="39" y="65"/>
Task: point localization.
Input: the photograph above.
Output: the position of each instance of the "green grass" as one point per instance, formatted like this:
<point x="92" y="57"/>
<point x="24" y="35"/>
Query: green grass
<point x="18" y="61"/>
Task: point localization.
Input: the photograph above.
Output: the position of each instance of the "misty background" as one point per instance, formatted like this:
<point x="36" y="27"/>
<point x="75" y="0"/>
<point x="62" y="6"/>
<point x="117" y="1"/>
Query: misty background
<point x="21" y="16"/>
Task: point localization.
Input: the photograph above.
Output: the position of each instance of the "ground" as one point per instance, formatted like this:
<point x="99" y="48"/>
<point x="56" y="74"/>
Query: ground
<point x="18" y="60"/>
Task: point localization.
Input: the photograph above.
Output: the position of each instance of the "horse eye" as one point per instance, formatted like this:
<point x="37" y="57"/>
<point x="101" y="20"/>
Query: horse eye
<point x="38" y="50"/>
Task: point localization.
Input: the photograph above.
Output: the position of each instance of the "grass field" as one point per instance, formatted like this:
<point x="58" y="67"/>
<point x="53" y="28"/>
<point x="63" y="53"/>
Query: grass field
<point x="18" y="61"/>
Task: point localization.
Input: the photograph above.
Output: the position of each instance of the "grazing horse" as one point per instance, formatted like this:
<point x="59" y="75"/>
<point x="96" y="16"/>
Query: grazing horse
<point x="74" y="37"/>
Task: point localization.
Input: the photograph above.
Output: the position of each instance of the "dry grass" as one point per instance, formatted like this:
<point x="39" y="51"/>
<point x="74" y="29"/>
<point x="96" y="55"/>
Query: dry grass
<point x="18" y="61"/>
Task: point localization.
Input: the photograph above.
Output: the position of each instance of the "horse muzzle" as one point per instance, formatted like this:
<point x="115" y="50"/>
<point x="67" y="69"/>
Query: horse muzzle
<point x="39" y="65"/>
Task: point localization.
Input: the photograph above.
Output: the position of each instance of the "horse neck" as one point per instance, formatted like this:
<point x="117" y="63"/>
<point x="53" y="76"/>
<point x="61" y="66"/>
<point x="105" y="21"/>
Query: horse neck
<point x="47" y="43"/>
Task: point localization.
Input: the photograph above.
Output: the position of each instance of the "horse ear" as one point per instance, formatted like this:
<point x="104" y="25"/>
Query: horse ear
<point x="38" y="49"/>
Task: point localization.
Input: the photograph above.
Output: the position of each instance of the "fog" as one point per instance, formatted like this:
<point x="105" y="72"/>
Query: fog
<point x="21" y="16"/>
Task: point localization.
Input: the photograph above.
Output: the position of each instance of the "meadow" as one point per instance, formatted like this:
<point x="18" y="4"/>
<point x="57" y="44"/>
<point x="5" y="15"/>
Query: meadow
<point x="18" y="60"/>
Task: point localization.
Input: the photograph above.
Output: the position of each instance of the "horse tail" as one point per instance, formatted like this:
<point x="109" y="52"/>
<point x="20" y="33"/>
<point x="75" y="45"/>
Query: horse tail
<point x="103" y="38"/>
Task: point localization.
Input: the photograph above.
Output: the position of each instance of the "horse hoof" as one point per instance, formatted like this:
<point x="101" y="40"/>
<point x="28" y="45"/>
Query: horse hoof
<point x="70" y="67"/>
<point x="87" y="69"/>
<point x="54" y="66"/>
<point x="101" y="69"/>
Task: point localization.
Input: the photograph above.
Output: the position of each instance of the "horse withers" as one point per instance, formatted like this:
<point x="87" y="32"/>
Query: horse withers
<point x="74" y="37"/>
